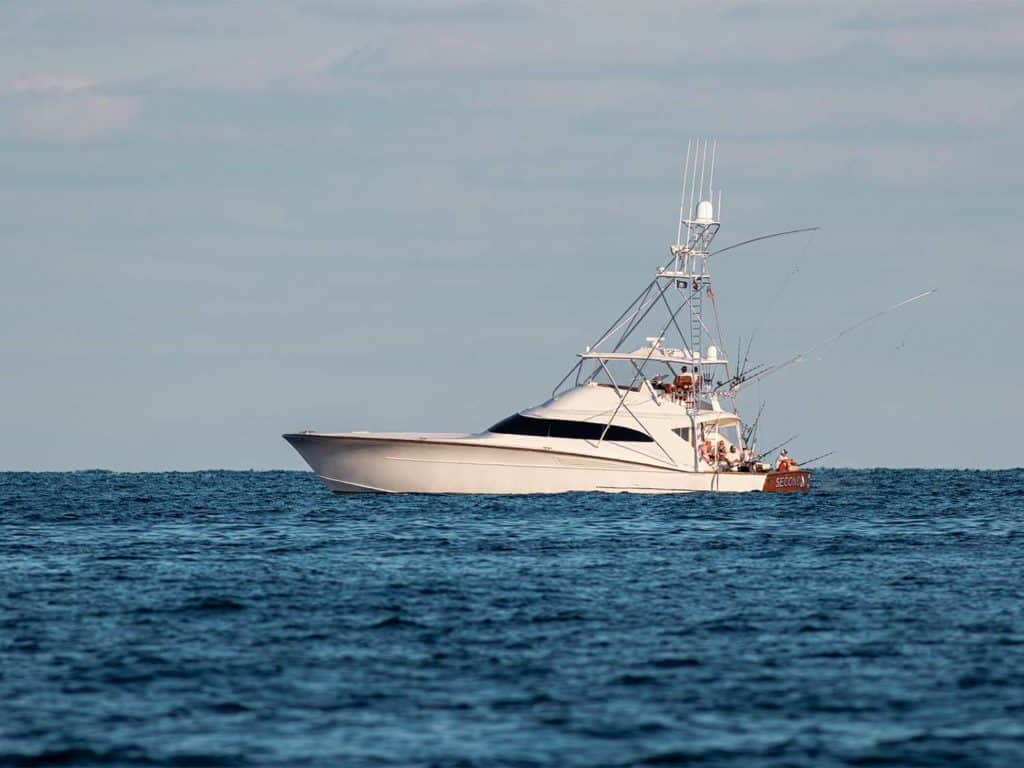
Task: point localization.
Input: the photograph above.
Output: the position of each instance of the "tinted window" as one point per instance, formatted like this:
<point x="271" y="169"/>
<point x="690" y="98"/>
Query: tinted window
<point x="579" y="430"/>
<point x="683" y="432"/>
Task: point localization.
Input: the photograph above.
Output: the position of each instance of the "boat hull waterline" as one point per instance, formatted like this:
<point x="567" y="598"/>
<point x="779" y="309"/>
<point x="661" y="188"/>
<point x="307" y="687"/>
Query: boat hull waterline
<point x="352" y="463"/>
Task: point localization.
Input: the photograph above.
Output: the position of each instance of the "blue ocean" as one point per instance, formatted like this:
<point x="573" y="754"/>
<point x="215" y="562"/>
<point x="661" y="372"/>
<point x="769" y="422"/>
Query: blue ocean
<point x="252" y="618"/>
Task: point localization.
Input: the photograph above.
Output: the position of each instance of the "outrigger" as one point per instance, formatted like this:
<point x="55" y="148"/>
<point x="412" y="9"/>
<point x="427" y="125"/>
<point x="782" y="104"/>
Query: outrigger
<point x="644" y="413"/>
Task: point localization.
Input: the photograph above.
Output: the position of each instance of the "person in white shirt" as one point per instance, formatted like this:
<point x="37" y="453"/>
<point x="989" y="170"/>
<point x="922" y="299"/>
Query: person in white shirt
<point x="783" y="464"/>
<point x="733" y="457"/>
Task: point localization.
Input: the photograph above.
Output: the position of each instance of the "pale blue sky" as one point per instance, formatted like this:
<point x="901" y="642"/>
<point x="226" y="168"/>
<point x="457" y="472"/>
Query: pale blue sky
<point x="221" y="221"/>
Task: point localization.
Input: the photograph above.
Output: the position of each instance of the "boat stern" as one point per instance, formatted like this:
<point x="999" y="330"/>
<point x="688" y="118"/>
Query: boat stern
<point x="797" y="481"/>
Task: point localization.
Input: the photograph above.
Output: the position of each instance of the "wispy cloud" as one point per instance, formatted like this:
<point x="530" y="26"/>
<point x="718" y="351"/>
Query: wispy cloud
<point x="47" y="83"/>
<point x="67" y="107"/>
<point x="76" y="117"/>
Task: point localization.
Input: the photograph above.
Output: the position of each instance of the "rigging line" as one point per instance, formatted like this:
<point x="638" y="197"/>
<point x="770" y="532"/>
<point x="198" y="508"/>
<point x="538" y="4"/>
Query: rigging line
<point x="672" y="318"/>
<point x="645" y="304"/>
<point x="638" y="302"/>
<point x="718" y="327"/>
<point x="911" y="330"/>
<point x="622" y="404"/>
<point x="565" y="378"/>
<point x="637" y="320"/>
<point x="639" y="372"/>
<point x="778" y="293"/>
<point x="650" y="389"/>
<point x="616" y="325"/>
<point x="664" y="330"/>
<point x="835" y="337"/>
<point x="622" y="399"/>
<point x="632" y="323"/>
<point x="705" y="327"/>
<point x="763" y="237"/>
<point x="797" y="266"/>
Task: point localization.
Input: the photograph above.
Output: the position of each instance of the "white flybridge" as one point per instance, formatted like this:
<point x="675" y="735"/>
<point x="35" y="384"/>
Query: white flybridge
<point x="643" y="413"/>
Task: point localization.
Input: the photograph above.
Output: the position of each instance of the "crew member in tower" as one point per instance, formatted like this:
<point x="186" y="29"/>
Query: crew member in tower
<point x="684" y="384"/>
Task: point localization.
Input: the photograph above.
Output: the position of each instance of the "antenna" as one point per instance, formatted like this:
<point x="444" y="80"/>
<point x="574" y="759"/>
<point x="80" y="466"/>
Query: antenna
<point x="703" y="162"/>
<point x="693" y="179"/>
<point x="682" y="197"/>
<point x="711" y="181"/>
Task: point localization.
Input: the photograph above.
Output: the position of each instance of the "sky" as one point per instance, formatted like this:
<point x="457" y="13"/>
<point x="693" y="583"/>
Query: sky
<point x="223" y="221"/>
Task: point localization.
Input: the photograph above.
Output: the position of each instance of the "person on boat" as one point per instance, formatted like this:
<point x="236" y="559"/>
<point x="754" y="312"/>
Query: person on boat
<point x="721" y="454"/>
<point x="733" y="458"/>
<point x="684" y="383"/>
<point x="784" y="463"/>
<point x="751" y="461"/>
<point x="705" y="451"/>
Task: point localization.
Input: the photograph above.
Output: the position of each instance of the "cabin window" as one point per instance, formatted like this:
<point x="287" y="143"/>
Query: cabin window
<point x="518" y="424"/>
<point x="730" y="433"/>
<point x="683" y="432"/>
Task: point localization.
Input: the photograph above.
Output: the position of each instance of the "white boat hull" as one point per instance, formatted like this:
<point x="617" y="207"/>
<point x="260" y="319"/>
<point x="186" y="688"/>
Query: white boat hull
<point x="376" y="464"/>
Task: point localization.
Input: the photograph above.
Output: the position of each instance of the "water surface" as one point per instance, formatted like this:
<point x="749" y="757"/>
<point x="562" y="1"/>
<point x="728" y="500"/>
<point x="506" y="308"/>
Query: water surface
<point x="235" y="618"/>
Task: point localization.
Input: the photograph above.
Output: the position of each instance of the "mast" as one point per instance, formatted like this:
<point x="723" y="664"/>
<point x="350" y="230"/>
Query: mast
<point x="676" y="294"/>
<point x="690" y="275"/>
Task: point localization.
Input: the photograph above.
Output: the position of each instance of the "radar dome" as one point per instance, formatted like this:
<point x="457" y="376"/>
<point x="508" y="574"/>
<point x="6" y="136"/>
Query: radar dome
<point x="705" y="212"/>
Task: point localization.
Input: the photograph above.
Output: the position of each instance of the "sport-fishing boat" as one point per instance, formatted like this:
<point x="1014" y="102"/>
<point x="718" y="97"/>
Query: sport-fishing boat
<point x="639" y="412"/>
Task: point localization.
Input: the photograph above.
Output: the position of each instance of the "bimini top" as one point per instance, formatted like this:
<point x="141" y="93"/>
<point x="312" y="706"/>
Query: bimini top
<point x="658" y="355"/>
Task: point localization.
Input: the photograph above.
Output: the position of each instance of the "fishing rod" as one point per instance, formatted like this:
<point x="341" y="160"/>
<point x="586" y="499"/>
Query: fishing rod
<point x="763" y="237"/>
<point x="752" y="429"/>
<point x="835" y="337"/>
<point x="746" y="357"/>
<point x="816" y="458"/>
<point x="771" y="307"/>
<point x="741" y="378"/>
<point x="780" y="445"/>
<point x="739" y="350"/>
